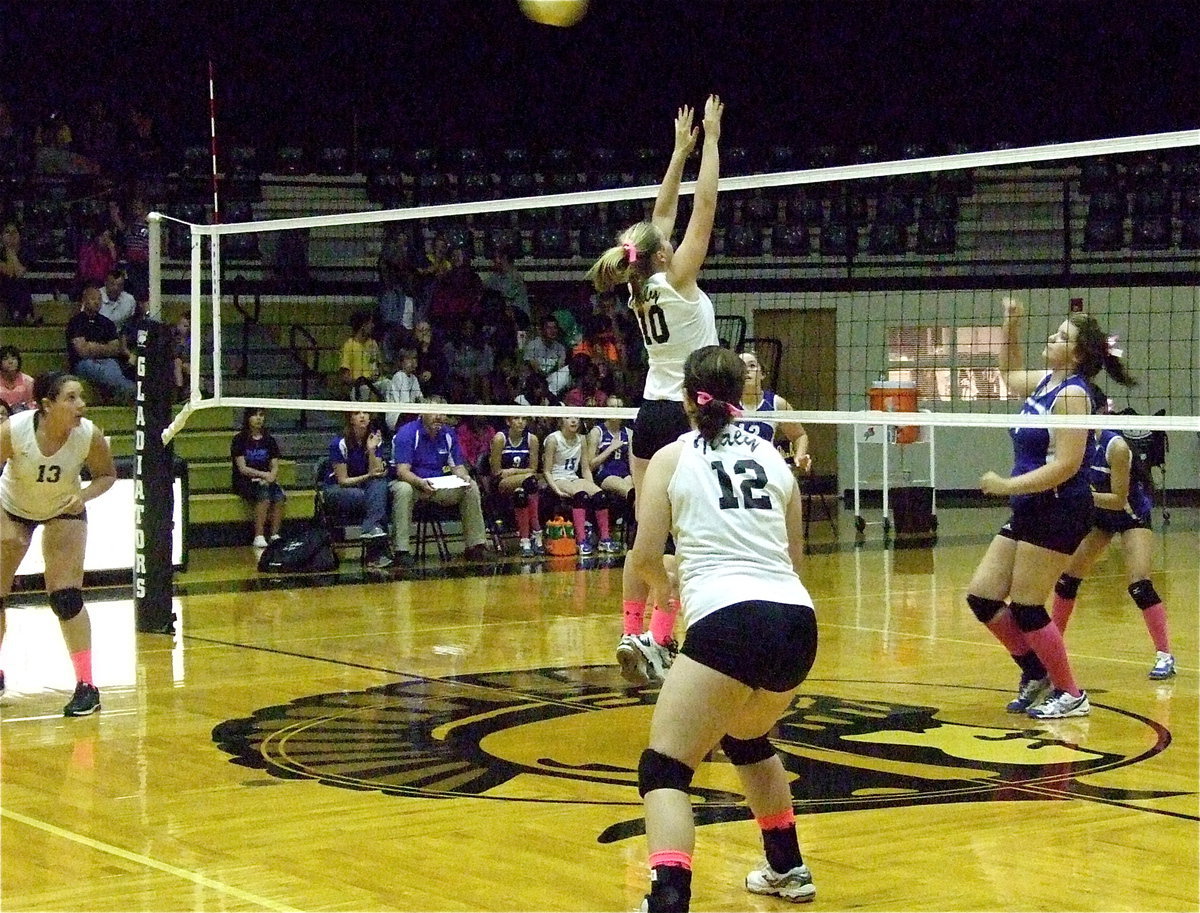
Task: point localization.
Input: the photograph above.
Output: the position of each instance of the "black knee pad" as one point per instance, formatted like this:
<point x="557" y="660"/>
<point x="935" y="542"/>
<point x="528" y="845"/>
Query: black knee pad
<point x="520" y="497"/>
<point x="580" y="499"/>
<point x="1029" y="617"/>
<point x="1067" y="586"/>
<point x="67" y="603"/>
<point x="742" y="752"/>
<point x="599" y="500"/>
<point x="530" y="485"/>
<point x="1143" y="594"/>
<point x="985" y="609"/>
<point x="658" y="771"/>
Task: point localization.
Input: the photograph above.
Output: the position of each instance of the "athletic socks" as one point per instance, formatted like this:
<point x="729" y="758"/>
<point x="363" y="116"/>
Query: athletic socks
<point x="82" y="661"/>
<point x="662" y="621"/>
<point x="633" y="614"/>
<point x="670" y="882"/>
<point x="780" y="843"/>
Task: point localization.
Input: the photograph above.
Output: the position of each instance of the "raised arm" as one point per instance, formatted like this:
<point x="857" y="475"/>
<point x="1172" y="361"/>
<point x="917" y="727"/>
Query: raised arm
<point x="666" y="204"/>
<point x="1020" y="382"/>
<point x="689" y="256"/>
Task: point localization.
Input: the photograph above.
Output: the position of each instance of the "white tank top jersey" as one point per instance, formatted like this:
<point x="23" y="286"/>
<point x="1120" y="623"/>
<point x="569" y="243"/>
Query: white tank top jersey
<point x="728" y="509"/>
<point x="567" y="457"/>
<point x="38" y="487"/>
<point x="672" y="329"/>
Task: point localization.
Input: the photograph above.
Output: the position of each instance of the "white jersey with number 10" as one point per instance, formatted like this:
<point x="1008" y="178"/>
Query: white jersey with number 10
<point x="672" y="329"/>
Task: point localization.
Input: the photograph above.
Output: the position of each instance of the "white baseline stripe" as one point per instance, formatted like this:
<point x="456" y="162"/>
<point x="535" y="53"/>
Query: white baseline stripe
<point x="137" y="858"/>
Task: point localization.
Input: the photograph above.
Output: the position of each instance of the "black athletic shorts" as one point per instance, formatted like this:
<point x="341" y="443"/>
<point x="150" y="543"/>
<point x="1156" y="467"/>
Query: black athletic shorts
<point x="767" y="645"/>
<point x="659" y="422"/>
<point x="1053" y="523"/>
<point x="1118" y="521"/>
<point x="31" y="525"/>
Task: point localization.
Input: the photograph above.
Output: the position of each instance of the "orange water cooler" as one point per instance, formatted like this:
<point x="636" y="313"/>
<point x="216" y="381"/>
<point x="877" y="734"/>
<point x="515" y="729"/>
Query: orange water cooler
<point x="896" y="396"/>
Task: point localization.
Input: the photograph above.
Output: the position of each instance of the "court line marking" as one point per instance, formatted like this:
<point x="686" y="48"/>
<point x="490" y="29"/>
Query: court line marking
<point x="148" y="862"/>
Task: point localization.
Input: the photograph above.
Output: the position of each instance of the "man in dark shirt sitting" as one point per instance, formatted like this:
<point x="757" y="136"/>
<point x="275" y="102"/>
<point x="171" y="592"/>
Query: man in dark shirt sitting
<point x="95" y="351"/>
<point x="428" y="459"/>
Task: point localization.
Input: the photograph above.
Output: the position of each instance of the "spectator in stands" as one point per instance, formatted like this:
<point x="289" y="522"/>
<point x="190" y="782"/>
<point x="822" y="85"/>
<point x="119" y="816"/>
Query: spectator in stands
<point x="470" y="357"/>
<point x="498" y="325"/>
<point x="405" y="387"/>
<point x="475" y="433"/>
<point x="115" y="303"/>
<point x="394" y="265"/>
<point x="456" y="294"/>
<point x="16" y="387"/>
<point x="255" y="454"/>
<point x="430" y="466"/>
<point x="396" y="316"/>
<point x="144" y="151"/>
<point x="137" y="249"/>
<point x="95" y="351"/>
<point x="181" y="359"/>
<point x="54" y="154"/>
<point x="97" y="256"/>
<point x="99" y="139"/>
<point x="360" y="370"/>
<point x="432" y="371"/>
<point x="585" y="389"/>
<point x="435" y="265"/>
<point x="15" y="293"/>
<point x="357" y="483"/>
<point x="505" y="279"/>
<point x="546" y="354"/>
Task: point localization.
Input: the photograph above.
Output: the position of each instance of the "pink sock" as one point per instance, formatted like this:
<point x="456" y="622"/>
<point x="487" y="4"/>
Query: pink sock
<point x="1156" y="623"/>
<point x="1007" y="632"/>
<point x="1061" y="611"/>
<point x="535" y="519"/>
<point x="633" y="613"/>
<point x="662" y="621"/>
<point x="82" y="661"/>
<point x="602" y="523"/>
<point x="522" y="521"/>
<point x="579" y="518"/>
<point x="671" y="857"/>
<point x="785" y="818"/>
<point x="1047" y="643"/>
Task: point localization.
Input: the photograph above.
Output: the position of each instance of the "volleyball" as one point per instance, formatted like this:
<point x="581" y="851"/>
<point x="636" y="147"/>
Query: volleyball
<point x="561" y="13"/>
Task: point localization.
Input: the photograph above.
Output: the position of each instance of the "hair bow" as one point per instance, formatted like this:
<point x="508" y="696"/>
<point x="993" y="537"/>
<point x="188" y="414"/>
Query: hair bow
<point x="1112" y="347"/>
<point x="630" y="250"/>
<point x="703" y="399"/>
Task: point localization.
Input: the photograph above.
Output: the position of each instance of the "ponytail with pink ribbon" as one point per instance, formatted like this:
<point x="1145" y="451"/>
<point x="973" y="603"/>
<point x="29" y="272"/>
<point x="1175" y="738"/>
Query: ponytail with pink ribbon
<point x="630" y="250"/>
<point x="703" y="399"/>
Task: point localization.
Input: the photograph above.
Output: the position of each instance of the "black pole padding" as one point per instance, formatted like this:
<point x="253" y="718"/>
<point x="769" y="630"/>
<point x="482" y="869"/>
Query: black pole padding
<point x="153" y="478"/>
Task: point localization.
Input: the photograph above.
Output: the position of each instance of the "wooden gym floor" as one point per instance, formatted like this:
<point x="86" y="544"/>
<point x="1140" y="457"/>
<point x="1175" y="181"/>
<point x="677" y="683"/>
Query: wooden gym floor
<point x="452" y="740"/>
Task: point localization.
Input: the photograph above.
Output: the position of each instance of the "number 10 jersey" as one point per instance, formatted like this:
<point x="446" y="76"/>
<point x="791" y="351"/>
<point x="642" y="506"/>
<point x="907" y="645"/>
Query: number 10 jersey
<point x="672" y="329"/>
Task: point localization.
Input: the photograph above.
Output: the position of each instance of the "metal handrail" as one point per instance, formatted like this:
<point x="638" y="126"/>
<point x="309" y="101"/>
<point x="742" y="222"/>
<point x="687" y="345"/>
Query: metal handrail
<point x="304" y="348"/>
<point x="250" y="319"/>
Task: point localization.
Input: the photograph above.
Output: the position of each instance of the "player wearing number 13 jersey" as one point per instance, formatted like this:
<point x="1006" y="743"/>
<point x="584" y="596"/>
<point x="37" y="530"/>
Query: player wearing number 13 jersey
<point x="43" y="452"/>
<point x="675" y="318"/>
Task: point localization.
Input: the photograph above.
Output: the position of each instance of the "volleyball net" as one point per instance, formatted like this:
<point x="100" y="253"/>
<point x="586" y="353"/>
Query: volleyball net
<point x="843" y="278"/>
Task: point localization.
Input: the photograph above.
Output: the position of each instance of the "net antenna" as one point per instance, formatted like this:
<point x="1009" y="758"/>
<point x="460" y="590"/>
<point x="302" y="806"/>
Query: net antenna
<point x="420" y="217"/>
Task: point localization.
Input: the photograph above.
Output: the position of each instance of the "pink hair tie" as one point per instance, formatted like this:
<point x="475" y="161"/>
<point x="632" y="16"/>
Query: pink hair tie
<point x="630" y="250"/>
<point x="703" y="399"/>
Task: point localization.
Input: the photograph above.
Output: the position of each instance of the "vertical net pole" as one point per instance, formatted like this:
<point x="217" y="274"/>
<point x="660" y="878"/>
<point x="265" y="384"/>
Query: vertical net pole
<point x="153" y="489"/>
<point x="197" y="263"/>
<point x="215" y="288"/>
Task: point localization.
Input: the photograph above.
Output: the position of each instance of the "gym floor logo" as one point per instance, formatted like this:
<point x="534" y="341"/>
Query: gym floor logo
<point x="574" y="735"/>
